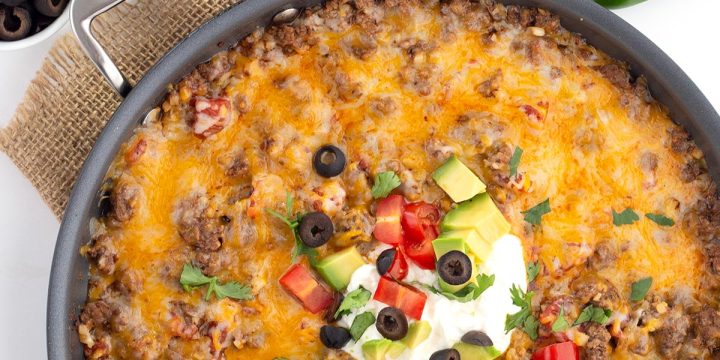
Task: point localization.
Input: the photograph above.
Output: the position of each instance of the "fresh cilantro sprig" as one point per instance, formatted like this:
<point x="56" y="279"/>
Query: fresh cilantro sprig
<point x="515" y="160"/>
<point x="535" y="214"/>
<point x="293" y="223"/>
<point x="384" y="183"/>
<point x="594" y="314"/>
<point x="660" y="219"/>
<point x="192" y="278"/>
<point x="560" y="324"/>
<point x="522" y="319"/>
<point x="353" y="300"/>
<point x="469" y="293"/>
<point x="360" y="324"/>
<point x="626" y="217"/>
<point x="640" y="288"/>
<point x="533" y="269"/>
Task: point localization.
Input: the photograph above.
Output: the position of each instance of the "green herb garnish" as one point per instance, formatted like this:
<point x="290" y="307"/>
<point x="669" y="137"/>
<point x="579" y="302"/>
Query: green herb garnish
<point x="300" y="248"/>
<point x="626" y="217"/>
<point x="193" y="278"/>
<point x="523" y="318"/>
<point x="560" y="324"/>
<point x="360" y="324"/>
<point x="660" y="219"/>
<point x="515" y="160"/>
<point x="594" y="314"/>
<point x="640" y="288"/>
<point x="384" y="183"/>
<point x="534" y="214"/>
<point x="469" y="293"/>
<point x="530" y="327"/>
<point x="533" y="269"/>
<point x="353" y="300"/>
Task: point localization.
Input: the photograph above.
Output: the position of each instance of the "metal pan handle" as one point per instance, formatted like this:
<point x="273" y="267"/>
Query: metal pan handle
<point x="82" y="13"/>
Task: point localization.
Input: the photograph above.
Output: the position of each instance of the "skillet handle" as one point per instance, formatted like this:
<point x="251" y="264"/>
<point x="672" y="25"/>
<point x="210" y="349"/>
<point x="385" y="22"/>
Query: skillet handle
<point x="82" y="13"/>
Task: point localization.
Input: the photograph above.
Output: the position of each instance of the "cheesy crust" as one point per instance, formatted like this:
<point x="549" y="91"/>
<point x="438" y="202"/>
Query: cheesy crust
<point x="401" y="85"/>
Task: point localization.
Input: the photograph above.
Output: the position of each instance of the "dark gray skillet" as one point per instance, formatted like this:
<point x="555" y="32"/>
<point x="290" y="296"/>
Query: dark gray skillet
<point x="68" y="279"/>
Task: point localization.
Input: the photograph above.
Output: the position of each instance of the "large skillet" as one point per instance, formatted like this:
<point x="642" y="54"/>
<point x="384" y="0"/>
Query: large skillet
<point x="68" y="279"/>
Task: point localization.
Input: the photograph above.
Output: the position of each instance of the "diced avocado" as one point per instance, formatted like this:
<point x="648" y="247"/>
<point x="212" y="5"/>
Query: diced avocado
<point x="475" y="245"/>
<point x="376" y="349"/>
<point x="474" y="352"/>
<point x="444" y="244"/>
<point x="480" y="214"/>
<point x="418" y="332"/>
<point x="337" y="268"/>
<point x="458" y="181"/>
<point x="395" y="349"/>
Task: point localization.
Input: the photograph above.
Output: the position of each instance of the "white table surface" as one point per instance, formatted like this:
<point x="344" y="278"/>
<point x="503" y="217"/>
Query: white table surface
<point x="686" y="29"/>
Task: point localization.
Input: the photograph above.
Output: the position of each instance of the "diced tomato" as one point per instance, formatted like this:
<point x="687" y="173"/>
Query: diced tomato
<point x="388" y="214"/>
<point x="408" y="299"/>
<point x="399" y="267"/>
<point x="420" y="224"/>
<point x="136" y="151"/>
<point x="561" y="351"/>
<point x="299" y="282"/>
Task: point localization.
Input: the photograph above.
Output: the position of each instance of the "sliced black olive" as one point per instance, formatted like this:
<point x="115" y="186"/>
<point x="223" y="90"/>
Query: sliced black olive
<point x="315" y="229"/>
<point x="15" y="23"/>
<point x="11" y="2"/>
<point x="477" y="337"/>
<point x="225" y="219"/>
<point x="51" y="8"/>
<point x="329" y="161"/>
<point x="385" y="260"/>
<point x="333" y="308"/>
<point x="392" y="323"/>
<point x="455" y="268"/>
<point x="105" y="206"/>
<point x="41" y="22"/>
<point x="334" y="337"/>
<point x="447" y="354"/>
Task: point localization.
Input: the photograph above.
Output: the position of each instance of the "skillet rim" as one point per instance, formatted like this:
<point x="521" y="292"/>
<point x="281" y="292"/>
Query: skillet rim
<point x="602" y="29"/>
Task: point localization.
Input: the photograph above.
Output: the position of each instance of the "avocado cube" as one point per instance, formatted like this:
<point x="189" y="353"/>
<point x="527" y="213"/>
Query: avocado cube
<point x="337" y="269"/>
<point x="395" y="350"/>
<point x="474" y="244"/>
<point x="458" y="181"/>
<point x="376" y="349"/>
<point x="418" y="332"/>
<point x="444" y="244"/>
<point x="474" y="352"/>
<point x="480" y="214"/>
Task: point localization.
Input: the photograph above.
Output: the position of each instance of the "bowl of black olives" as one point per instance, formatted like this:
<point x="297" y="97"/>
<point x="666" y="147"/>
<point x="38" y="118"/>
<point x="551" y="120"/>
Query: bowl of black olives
<point x="27" y="22"/>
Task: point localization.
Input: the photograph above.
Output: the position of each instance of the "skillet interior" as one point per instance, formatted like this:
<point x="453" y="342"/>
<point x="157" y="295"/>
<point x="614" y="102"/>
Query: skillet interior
<point x="68" y="281"/>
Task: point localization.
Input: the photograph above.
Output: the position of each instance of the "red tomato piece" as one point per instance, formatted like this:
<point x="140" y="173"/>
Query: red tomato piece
<point x="420" y="224"/>
<point x="399" y="267"/>
<point x="409" y="300"/>
<point x="561" y="351"/>
<point x="388" y="214"/>
<point x="211" y="115"/>
<point x="299" y="282"/>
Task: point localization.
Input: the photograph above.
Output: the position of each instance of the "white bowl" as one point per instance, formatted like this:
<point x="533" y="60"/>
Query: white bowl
<point x="39" y="37"/>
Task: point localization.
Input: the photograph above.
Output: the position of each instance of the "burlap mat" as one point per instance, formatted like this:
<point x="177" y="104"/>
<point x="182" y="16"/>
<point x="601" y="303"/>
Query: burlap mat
<point x="68" y="102"/>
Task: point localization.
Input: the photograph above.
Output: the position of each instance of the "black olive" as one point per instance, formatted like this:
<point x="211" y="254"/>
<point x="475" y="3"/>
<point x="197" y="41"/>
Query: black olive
<point x="225" y="219"/>
<point x="392" y="323"/>
<point x="333" y="308"/>
<point x="477" y="337"/>
<point x="15" y="23"/>
<point x="455" y="268"/>
<point x="385" y="260"/>
<point x="41" y="22"/>
<point x="51" y="8"/>
<point x="447" y="354"/>
<point x="329" y="161"/>
<point x="105" y="206"/>
<point x="334" y="337"/>
<point x="11" y="2"/>
<point x="315" y="229"/>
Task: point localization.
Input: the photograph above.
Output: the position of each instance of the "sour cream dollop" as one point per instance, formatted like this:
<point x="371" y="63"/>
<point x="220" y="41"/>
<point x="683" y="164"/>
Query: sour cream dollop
<point x="450" y="319"/>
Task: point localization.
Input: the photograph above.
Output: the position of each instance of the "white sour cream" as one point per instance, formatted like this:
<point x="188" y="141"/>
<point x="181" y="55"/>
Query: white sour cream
<point x="450" y="319"/>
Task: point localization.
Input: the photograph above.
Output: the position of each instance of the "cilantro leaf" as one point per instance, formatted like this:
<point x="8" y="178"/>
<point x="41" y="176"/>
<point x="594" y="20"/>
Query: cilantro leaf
<point x="660" y="219"/>
<point x="384" y="183"/>
<point x="640" y="288"/>
<point x="469" y="293"/>
<point x="626" y="217"/>
<point x="560" y="324"/>
<point x="192" y="278"/>
<point x="533" y="269"/>
<point x="360" y="324"/>
<point x="530" y="327"/>
<point x="521" y="318"/>
<point x="594" y="314"/>
<point x="515" y="160"/>
<point x="353" y="300"/>
<point x="300" y="248"/>
<point x="534" y="214"/>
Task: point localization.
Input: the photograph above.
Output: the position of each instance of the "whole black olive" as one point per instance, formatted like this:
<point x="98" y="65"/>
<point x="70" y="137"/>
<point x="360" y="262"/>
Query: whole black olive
<point x="315" y="229"/>
<point x="15" y="23"/>
<point x="392" y="323"/>
<point x="334" y="337"/>
<point x="447" y="354"/>
<point x="385" y="260"/>
<point x="455" y="268"/>
<point x="52" y="8"/>
<point x="329" y="161"/>
<point x="477" y="337"/>
<point x="333" y="308"/>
